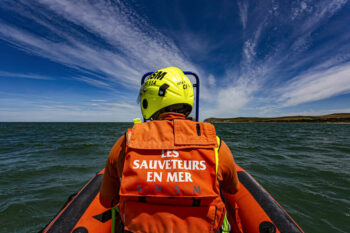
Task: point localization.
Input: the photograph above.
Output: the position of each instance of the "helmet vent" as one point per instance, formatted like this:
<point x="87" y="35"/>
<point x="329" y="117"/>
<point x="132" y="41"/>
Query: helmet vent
<point x="162" y="89"/>
<point x="144" y="104"/>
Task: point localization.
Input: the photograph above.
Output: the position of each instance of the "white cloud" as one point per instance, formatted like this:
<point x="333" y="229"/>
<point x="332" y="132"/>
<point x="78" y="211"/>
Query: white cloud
<point x="61" y="115"/>
<point x="24" y="75"/>
<point x="299" y="10"/>
<point x="243" y="12"/>
<point x="38" y="110"/>
<point x="211" y="80"/>
<point x="127" y="46"/>
<point x="250" y="45"/>
<point x="136" y="46"/>
<point x="321" y="11"/>
<point x="123" y="28"/>
<point x="316" y="86"/>
<point x="249" y="50"/>
<point x="94" y="82"/>
<point x="75" y="54"/>
<point x="231" y="98"/>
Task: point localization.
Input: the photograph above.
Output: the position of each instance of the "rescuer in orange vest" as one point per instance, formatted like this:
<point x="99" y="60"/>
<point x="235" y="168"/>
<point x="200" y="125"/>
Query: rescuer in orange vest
<point x="169" y="174"/>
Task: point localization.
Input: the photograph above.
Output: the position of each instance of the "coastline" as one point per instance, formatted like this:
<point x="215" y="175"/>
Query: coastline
<point x="335" y="118"/>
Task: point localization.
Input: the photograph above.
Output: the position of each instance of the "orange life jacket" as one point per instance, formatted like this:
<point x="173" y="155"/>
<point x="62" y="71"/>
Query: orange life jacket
<point x="169" y="181"/>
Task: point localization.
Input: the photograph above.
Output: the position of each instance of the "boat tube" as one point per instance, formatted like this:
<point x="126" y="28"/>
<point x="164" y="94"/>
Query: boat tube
<point x="256" y="211"/>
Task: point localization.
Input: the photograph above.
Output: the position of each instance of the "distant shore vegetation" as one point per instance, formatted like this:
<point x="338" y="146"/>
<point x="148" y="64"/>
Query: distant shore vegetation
<point x="331" y="118"/>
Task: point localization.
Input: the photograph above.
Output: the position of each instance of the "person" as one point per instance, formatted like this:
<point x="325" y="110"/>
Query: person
<point x="169" y="174"/>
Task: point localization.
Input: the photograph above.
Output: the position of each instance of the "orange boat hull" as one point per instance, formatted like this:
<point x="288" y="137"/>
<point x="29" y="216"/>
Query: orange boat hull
<point x="256" y="211"/>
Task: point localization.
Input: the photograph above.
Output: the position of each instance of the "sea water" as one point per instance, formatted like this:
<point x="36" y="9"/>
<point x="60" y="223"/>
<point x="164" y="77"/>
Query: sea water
<point x="305" y="167"/>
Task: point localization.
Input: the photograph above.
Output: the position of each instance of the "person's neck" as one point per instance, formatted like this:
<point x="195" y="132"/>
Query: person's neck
<point x="171" y="116"/>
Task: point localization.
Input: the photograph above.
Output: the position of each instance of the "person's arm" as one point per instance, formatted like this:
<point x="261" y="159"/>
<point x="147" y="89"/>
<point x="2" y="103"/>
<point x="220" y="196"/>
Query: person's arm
<point x="229" y="184"/>
<point x="109" y="191"/>
<point x="227" y="170"/>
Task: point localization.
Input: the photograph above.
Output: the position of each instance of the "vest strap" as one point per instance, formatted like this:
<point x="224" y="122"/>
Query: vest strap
<point x="115" y="211"/>
<point x="226" y="227"/>
<point x="218" y="139"/>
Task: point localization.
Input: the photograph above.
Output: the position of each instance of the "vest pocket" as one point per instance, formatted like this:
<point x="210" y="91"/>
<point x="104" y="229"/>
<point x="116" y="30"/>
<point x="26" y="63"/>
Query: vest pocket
<point x="146" y="217"/>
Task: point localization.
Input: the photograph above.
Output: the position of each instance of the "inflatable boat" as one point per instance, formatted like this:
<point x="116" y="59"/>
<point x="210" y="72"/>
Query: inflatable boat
<point x="256" y="211"/>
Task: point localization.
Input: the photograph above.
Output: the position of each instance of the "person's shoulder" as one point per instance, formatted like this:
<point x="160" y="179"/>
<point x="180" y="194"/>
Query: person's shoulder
<point x="120" y="140"/>
<point x="117" y="146"/>
<point x="224" y="149"/>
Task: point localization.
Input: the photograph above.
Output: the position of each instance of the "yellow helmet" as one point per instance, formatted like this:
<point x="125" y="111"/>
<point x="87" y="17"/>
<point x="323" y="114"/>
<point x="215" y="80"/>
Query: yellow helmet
<point x="165" y="87"/>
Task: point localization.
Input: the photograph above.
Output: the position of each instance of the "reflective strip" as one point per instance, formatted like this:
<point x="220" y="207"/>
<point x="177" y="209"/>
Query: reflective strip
<point x="226" y="227"/>
<point x="114" y="209"/>
<point x="128" y="137"/>
<point x="137" y="120"/>
<point x="217" y="154"/>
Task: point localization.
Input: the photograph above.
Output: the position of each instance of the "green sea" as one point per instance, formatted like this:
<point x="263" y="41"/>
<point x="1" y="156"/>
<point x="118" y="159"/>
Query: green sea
<point x="305" y="167"/>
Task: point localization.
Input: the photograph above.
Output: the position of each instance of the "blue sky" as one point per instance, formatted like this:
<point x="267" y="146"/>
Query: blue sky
<point x="63" y="60"/>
